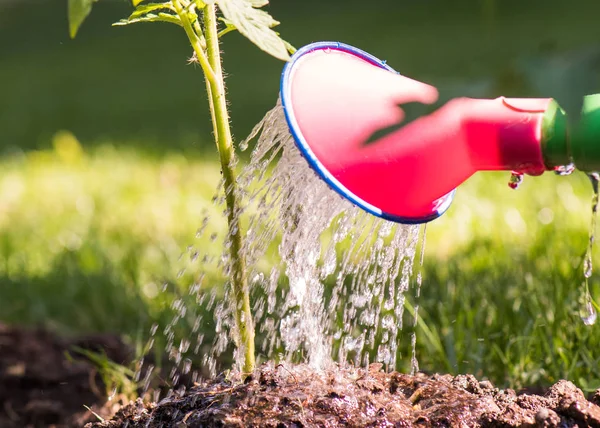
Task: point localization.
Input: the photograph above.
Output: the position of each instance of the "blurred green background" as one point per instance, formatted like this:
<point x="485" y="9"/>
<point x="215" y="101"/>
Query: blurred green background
<point x="108" y="167"/>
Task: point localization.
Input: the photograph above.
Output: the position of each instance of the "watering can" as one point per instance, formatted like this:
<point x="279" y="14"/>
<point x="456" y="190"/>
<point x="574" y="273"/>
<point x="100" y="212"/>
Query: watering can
<point x="352" y="117"/>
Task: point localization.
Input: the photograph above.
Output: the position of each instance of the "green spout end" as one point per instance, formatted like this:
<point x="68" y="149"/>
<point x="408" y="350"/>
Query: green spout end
<point x="578" y="142"/>
<point x="555" y="144"/>
<point x="585" y="138"/>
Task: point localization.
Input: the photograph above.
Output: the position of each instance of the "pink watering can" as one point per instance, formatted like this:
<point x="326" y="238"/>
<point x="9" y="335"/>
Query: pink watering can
<point x="350" y="115"/>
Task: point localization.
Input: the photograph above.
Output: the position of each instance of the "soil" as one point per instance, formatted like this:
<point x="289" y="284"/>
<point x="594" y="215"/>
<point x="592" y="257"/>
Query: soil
<point x="42" y="386"/>
<point x="44" y="383"/>
<point x="296" y="396"/>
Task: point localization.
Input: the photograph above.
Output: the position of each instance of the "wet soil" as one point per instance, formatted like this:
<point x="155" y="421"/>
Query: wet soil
<point x="45" y="383"/>
<point x="295" y="396"/>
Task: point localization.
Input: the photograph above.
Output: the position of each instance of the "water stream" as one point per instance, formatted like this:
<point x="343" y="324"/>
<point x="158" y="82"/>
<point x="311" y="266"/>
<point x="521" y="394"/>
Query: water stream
<point x="328" y="280"/>
<point x="414" y="366"/>
<point x="588" y="312"/>
<point x="337" y="292"/>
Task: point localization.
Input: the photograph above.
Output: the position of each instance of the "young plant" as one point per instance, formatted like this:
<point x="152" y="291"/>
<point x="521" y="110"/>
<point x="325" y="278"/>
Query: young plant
<point x="200" y="21"/>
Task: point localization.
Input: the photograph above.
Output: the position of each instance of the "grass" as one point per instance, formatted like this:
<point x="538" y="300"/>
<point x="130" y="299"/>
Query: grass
<point x="89" y="239"/>
<point x="503" y="281"/>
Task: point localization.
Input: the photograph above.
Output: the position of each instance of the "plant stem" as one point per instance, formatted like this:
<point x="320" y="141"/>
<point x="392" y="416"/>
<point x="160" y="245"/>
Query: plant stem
<point x="195" y="41"/>
<point x="210" y="61"/>
<point x="218" y="105"/>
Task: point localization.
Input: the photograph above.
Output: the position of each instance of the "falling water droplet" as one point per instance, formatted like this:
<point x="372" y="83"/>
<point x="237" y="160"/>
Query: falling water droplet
<point x="564" y="169"/>
<point x="589" y="315"/>
<point x="187" y="366"/>
<point x="516" y="178"/>
<point x="587" y="266"/>
<point x="201" y="229"/>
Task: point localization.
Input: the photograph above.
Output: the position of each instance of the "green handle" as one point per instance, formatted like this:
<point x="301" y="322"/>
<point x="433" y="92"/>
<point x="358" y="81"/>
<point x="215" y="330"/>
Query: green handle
<point x="585" y="139"/>
<point x="579" y="143"/>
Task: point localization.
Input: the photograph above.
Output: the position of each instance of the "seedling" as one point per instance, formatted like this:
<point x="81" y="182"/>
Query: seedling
<point x="205" y="22"/>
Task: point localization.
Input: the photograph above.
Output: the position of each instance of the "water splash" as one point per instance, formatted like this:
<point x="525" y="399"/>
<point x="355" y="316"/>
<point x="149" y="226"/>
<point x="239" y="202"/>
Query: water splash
<point x="515" y="180"/>
<point x="345" y="271"/>
<point x="327" y="279"/>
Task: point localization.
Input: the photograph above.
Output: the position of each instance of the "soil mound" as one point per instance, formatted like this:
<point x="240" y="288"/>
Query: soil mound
<point x="296" y="396"/>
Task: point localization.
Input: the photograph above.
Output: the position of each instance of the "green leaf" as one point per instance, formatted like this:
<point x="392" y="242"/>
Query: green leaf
<point x="150" y="7"/>
<point x="255" y="25"/>
<point x="136" y="2"/>
<point x="78" y="11"/>
<point x="150" y="17"/>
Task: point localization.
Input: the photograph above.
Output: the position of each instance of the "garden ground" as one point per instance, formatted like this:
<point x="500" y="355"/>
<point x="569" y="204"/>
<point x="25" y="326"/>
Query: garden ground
<point x="296" y="396"/>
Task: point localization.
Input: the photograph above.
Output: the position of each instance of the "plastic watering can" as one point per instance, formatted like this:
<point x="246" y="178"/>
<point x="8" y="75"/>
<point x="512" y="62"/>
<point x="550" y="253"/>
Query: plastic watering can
<point x="349" y="114"/>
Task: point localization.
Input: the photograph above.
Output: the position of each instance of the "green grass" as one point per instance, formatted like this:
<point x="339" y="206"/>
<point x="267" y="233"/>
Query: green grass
<point x="89" y="238"/>
<point x="502" y="286"/>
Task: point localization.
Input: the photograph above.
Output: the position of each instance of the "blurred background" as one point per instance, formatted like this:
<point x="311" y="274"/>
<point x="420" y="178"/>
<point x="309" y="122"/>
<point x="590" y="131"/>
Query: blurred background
<point x="108" y="165"/>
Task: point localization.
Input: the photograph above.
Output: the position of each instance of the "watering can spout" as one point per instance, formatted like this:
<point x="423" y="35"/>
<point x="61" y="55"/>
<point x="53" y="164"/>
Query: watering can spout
<point x="352" y="118"/>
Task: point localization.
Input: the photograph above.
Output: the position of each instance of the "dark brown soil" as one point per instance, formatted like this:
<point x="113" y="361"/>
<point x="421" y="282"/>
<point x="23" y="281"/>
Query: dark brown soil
<point x="284" y="396"/>
<point x="42" y="386"/>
